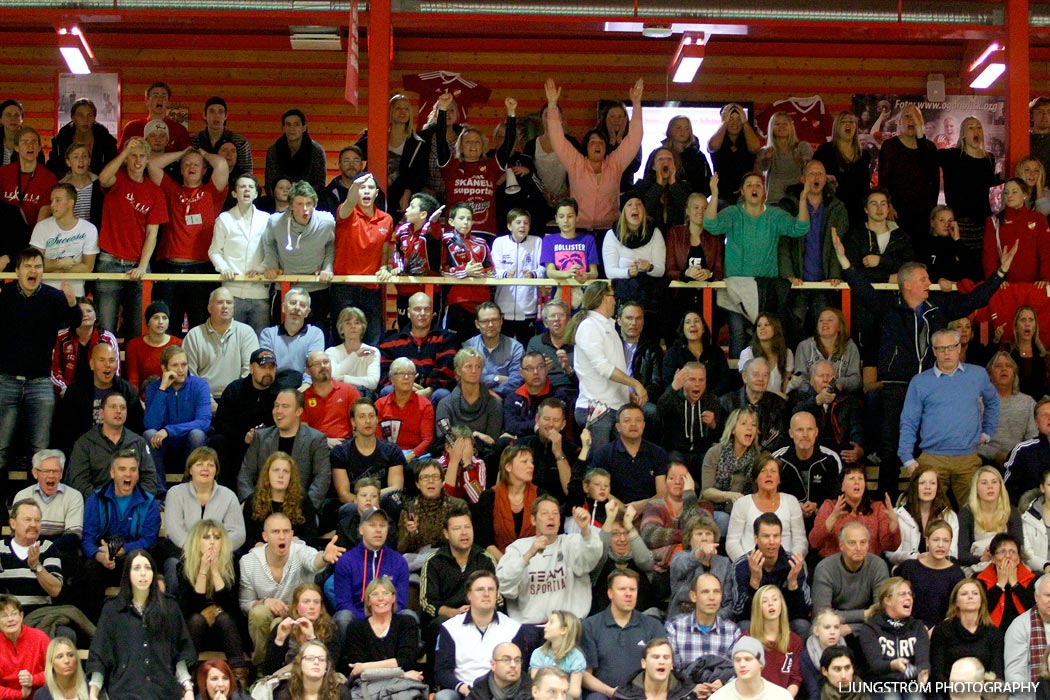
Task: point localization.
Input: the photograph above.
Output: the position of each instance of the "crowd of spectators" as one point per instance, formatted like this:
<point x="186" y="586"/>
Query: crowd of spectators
<point x="508" y="479"/>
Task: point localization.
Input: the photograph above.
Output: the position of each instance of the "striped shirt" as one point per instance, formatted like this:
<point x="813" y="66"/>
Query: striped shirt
<point x="16" y="579"/>
<point x="257" y="581"/>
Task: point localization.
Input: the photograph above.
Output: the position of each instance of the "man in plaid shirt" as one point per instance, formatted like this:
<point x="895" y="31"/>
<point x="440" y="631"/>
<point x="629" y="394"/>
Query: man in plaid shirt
<point x="702" y="633"/>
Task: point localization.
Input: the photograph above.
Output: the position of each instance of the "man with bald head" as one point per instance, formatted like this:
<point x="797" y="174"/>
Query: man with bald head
<point x="771" y="408"/>
<point x="810" y="471"/>
<point x="837" y="412"/>
<point x="80" y="408"/>
<point x="328" y="401"/>
<point x="430" y="349"/>
<point x="506" y="680"/>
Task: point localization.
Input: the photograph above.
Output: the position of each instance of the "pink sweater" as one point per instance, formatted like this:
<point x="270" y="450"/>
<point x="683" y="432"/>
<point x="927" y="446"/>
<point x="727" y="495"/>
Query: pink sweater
<point x="598" y="194"/>
<point x="826" y="541"/>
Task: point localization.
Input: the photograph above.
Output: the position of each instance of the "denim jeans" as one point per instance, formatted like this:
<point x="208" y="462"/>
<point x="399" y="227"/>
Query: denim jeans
<point x="112" y="296"/>
<point x="254" y="312"/>
<point x="27" y="404"/>
<point x="171" y="450"/>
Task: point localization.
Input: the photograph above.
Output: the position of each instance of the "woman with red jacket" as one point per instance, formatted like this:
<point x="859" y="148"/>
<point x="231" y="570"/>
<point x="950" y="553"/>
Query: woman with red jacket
<point x="73" y="346"/>
<point x="1017" y="222"/>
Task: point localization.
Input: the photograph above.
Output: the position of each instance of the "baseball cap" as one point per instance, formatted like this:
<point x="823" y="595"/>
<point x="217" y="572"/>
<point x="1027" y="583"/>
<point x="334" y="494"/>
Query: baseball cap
<point x="155" y="125"/>
<point x="264" y="356"/>
<point x="369" y="512"/>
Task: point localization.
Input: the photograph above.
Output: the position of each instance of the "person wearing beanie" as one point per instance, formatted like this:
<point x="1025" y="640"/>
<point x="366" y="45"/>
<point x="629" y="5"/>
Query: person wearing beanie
<point x="142" y="355"/>
<point x="748" y="659"/>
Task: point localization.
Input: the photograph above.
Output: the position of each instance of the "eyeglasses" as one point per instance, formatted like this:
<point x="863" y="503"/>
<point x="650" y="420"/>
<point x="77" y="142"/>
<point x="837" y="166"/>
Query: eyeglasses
<point x="488" y="321"/>
<point x="430" y="477"/>
<point x="945" y="348"/>
<point x="49" y="472"/>
<point x="14" y="615"/>
<point x="402" y="374"/>
<point x="316" y="659"/>
<point x="531" y="368"/>
<point x="516" y="660"/>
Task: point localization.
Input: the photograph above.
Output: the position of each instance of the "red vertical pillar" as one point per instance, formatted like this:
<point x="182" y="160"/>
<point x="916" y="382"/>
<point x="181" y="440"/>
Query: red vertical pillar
<point x="1018" y="75"/>
<point x="380" y="51"/>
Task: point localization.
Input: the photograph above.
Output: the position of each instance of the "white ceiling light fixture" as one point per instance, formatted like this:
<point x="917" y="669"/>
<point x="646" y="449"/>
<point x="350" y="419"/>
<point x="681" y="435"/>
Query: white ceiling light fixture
<point x="994" y="62"/>
<point x="76" y="52"/>
<point x="687" y="58"/>
<point x="315" y="38"/>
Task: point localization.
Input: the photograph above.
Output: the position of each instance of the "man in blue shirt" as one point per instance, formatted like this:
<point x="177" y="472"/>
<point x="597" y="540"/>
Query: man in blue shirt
<point x="957" y="409"/>
<point x="502" y="371"/>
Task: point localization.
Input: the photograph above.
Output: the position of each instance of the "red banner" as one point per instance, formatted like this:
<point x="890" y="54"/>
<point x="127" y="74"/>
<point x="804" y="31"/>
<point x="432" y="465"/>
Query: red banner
<point x="352" y="72"/>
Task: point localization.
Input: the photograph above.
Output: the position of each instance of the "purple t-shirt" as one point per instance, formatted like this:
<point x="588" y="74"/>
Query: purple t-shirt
<point x="566" y="252"/>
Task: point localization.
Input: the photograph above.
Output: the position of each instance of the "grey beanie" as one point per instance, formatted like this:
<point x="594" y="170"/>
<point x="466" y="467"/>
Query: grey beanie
<point x="751" y="646"/>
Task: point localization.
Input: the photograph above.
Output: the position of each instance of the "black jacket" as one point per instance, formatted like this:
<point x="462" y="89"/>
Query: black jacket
<point x="103" y="150"/>
<point x="839" y="425"/>
<point x="772" y="416"/>
<point x="647" y="367"/>
<point x="882" y="640"/>
<point x="951" y="642"/>
<point x="442" y="582"/>
<point x="791" y="251"/>
<point x="860" y="241"/>
<point x="680" y="424"/>
<point x="241" y="408"/>
<point x="823" y="480"/>
<point x="74" y="415"/>
<point x="1025" y="465"/>
<point x="634" y="689"/>
<point x="719" y="377"/>
<point x="481" y="690"/>
<point x="900" y="357"/>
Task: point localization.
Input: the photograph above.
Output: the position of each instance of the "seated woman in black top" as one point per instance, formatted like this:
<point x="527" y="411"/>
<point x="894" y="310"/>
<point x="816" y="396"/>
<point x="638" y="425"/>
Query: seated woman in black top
<point x="307" y="620"/>
<point x="383" y="639"/>
<point x="967" y="630"/>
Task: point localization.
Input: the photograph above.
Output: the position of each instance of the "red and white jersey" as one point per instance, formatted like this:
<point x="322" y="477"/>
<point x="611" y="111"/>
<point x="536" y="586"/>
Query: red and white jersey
<point x="433" y="84"/>
<point x="812" y="122"/>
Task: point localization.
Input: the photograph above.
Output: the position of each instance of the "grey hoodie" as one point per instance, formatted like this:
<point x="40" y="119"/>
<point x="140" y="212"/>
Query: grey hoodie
<point x="300" y="249"/>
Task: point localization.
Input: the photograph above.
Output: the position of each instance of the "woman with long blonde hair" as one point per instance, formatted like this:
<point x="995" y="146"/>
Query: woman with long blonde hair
<point x="635" y="257"/>
<point x="726" y="474"/>
<point x="783" y="157"/>
<point x="64" y="677"/>
<point x="770" y="626"/>
<point x="1031" y="170"/>
<point x="987" y="513"/>
<point x="1029" y="352"/>
<point x="208" y="593"/>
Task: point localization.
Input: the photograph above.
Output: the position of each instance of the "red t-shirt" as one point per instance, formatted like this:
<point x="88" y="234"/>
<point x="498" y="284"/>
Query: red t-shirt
<point x="411" y="427"/>
<point x="359" y="243"/>
<point x="142" y="361"/>
<point x="28" y="192"/>
<point x="475" y="184"/>
<point x="192" y="212"/>
<point x="129" y="207"/>
<point x="331" y="414"/>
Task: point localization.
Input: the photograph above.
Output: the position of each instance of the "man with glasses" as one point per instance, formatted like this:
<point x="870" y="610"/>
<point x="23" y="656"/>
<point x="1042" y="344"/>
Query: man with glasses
<point x="556" y="350"/>
<point x="468" y="641"/>
<point x="520" y="407"/>
<point x="505" y="681"/>
<point x="503" y="354"/>
<point x="907" y="322"/>
<point x="944" y="405"/>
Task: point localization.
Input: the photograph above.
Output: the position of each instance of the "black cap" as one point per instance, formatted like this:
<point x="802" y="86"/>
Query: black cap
<point x="264" y="356"/>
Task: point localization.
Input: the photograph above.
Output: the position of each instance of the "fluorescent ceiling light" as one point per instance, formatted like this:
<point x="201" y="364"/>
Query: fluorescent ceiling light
<point x="988" y="76"/>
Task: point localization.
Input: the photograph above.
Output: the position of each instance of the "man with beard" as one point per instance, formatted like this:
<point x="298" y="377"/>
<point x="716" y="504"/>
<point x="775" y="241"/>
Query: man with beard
<point x="506" y="681"/>
<point x="328" y="401"/>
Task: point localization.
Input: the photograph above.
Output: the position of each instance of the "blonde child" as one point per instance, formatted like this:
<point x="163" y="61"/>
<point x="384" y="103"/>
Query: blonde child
<point x="561" y="648"/>
<point x="769" y="625"/>
<point x="597" y="485"/>
<point x="824" y="634"/>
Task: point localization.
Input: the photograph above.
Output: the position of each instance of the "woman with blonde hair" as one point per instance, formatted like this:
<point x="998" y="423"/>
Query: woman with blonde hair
<point x="969" y="172"/>
<point x="967" y="630"/>
<point x="634" y="255"/>
<point x="1029" y="352"/>
<point x="770" y="626"/>
<point x="987" y="513"/>
<point x="64" y="677"/>
<point x="208" y="594"/>
<point x="384" y="639"/>
<point x="907" y="656"/>
<point x="314" y="676"/>
<point x="1017" y="227"/>
<point x="406" y="154"/>
<point x="847" y="163"/>
<point x="783" y="157"/>
<point x="1031" y="170"/>
<point x="278" y="490"/>
<point x="354" y="362"/>
<point x="561" y="649"/>
<point x="726" y="473"/>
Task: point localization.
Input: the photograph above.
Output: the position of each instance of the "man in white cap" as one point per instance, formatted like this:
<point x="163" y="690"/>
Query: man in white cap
<point x="748" y="659"/>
